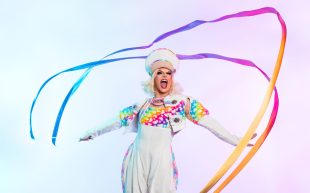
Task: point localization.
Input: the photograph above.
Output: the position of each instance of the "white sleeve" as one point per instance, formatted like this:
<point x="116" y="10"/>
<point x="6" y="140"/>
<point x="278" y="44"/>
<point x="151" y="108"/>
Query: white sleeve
<point x="199" y="115"/>
<point x="125" y="118"/>
<point x="108" y="127"/>
<point x="218" y="130"/>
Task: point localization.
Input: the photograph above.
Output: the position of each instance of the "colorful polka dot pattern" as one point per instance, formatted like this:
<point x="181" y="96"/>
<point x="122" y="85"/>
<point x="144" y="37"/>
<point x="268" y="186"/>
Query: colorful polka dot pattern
<point x="158" y="116"/>
<point x="175" y="169"/>
<point x="197" y="111"/>
<point x="127" y="115"/>
<point x="123" y="167"/>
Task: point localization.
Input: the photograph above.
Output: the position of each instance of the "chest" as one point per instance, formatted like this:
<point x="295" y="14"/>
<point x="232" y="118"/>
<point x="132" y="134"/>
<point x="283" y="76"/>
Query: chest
<point x="163" y="116"/>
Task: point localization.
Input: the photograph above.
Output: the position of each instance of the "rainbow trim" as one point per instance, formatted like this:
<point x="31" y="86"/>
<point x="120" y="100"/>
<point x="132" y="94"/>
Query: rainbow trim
<point x="127" y="115"/>
<point x="175" y="169"/>
<point x="123" y="167"/>
<point x="197" y="111"/>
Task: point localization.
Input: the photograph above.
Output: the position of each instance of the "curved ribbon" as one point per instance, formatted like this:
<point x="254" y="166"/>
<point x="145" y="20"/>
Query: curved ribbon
<point x="76" y="85"/>
<point x="233" y="157"/>
<point x="259" y="115"/>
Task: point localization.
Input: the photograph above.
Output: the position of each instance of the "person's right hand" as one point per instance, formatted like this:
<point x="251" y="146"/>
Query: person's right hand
<point x="86" y="138"/>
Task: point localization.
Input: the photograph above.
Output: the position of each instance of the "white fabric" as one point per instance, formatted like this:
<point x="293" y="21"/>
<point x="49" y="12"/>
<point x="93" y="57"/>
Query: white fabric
<point x="148" y="168"/>
<point x="111" y="126"/>
<point x="219" y="131"/>
<point x="149" y="165"/>
<point x="161" y="54"/>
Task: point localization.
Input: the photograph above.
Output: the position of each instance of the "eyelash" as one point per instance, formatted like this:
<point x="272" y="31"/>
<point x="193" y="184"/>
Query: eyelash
<point x="159" y="73"/>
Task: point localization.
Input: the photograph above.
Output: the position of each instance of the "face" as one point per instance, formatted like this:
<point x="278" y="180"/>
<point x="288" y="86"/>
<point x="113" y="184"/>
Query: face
<point x="163" y="81"/>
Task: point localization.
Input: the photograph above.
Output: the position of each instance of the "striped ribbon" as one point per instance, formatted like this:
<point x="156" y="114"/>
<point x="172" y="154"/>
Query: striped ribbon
<point x="245" y="140"/>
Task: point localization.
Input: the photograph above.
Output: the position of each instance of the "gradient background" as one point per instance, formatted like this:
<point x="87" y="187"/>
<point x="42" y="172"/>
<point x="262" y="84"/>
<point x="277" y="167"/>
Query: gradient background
<point x="41" y="38"/>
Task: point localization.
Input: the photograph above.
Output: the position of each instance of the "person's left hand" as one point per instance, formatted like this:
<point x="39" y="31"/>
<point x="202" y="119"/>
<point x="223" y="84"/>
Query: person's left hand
<point x="253" y="136"/>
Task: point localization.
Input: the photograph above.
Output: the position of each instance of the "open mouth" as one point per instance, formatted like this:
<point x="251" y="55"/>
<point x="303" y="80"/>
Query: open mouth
<point x="163" y="83"/>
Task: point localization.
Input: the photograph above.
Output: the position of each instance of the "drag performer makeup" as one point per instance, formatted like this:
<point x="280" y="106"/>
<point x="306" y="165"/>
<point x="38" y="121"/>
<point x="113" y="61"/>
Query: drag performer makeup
<point x="149" y="165"/>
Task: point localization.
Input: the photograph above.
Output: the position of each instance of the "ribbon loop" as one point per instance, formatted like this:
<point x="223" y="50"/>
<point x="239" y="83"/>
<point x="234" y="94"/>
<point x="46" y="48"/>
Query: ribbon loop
<point x="238" y="150"/>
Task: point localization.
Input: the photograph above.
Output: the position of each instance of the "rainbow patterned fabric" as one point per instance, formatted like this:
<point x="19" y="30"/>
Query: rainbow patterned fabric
<point x="127" y="115"/>
<point x="197" y="111"/>
<point x="123" y="166"/>
<point x="175" y="169"/>
<point x="158" y="116"/>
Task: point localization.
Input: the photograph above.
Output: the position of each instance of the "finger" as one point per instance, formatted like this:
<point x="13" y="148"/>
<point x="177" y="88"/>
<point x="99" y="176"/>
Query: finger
<point x="84" y="139"/>
<point x="254" y="135"/>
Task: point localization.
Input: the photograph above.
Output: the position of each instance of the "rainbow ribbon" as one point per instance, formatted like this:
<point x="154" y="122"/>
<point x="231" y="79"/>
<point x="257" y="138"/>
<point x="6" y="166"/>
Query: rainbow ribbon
<point x="252" y="128"/>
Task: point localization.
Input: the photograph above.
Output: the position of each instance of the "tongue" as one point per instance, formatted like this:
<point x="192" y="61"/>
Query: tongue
<point x="163" y="85"/>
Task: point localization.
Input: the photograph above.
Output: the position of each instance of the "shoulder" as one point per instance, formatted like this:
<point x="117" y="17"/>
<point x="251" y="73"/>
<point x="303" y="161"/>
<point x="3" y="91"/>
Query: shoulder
<point x="175" y="99"/>
<point x="193" y="106"/>
<point x="134" y="107"/>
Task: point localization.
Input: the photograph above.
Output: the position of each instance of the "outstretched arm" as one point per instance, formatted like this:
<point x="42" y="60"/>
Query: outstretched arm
<point x="199" y="115"/>
<point x="114" y="125"/>
<point x="126" y="116"/>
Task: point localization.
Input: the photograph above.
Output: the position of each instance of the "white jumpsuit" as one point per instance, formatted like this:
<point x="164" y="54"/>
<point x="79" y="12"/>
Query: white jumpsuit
<point x="149" y="165"/>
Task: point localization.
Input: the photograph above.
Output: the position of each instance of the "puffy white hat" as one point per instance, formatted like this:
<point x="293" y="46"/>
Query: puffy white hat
<point x="161" y="54"/>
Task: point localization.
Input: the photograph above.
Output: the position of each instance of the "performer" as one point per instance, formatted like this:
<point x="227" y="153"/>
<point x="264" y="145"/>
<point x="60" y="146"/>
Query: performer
<point x="149" y="165"/>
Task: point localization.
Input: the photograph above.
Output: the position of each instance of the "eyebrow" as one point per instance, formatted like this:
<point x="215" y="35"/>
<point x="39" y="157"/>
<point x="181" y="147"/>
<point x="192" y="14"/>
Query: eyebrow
<point x="165" y="72"/>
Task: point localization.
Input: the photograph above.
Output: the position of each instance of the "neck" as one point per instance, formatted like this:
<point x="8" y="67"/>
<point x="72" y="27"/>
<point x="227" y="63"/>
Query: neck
<point x="160" y="95"/>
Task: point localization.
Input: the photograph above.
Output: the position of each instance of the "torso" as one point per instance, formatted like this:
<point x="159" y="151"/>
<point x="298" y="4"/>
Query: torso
<point x="159" y="116"/>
